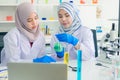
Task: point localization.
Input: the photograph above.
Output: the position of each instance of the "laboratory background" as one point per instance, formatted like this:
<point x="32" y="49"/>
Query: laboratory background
<point x="95" y="14"/>
<point x="100" y="15"/>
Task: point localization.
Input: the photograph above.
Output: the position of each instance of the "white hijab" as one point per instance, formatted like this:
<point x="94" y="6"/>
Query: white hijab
<point x="21" y="15"/>
<point x="73" y="11"/>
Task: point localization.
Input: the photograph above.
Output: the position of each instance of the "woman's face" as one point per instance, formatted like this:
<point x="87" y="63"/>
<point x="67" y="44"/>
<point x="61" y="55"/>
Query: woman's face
<point x="64" y="18"/>
<point x="33" y="22"/>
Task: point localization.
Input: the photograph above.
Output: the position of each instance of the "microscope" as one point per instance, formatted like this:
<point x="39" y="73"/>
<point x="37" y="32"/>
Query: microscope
<point x="109" y="46"/>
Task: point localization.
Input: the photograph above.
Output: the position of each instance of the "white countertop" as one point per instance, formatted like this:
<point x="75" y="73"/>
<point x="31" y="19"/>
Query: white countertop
<point x="90" y="71"/>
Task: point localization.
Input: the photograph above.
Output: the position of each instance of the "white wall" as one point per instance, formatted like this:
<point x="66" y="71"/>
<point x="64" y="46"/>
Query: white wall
<point x="109" y="13"/>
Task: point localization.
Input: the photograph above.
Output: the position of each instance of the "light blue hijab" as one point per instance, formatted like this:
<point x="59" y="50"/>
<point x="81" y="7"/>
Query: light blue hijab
<point x="73" y="11"/>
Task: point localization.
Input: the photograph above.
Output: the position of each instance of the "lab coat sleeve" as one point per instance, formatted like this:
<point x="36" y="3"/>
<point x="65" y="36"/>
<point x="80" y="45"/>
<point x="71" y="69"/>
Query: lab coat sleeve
<point x="87" y="45"/>
<point x="42" y="46"/>
<point x="11" y="43"/>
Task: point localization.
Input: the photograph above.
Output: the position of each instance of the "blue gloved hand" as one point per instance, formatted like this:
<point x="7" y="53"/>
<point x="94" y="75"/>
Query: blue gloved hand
<point x="60" y="54"/>
<point x="58" y="47"/>
<point x="64" y="37"/>
<point x="44" y="59"/>
<point x="59" y="50"/>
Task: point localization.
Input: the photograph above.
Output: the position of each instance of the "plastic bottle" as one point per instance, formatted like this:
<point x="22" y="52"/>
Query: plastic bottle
<point x="94" y="1"/>
<point x="82" y="1"/>
<point x="46" y="1"/>
<point x="71" y="1"/>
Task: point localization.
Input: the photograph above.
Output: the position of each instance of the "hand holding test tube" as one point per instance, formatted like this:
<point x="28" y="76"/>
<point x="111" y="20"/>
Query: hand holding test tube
<point x="59" y="49"/>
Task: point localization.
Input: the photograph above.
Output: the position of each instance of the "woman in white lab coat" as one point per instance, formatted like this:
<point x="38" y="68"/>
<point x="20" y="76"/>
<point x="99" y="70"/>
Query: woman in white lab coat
<point x="72" y="35"/>
<point x="25" y="42"/>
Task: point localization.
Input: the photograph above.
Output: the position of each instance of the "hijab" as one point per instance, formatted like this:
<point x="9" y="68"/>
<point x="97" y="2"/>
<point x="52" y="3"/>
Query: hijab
<point x="72" y="10"/>
<point x="21" y="15"/>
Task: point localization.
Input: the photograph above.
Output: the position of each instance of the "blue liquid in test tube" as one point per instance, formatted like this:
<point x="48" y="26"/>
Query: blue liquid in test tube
<point x="60" y="1"/>
<point x="79" y="64"/>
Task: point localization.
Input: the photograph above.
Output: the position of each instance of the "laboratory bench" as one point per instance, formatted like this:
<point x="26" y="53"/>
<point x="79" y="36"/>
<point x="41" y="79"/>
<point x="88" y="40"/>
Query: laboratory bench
<point x="89" y="71"/>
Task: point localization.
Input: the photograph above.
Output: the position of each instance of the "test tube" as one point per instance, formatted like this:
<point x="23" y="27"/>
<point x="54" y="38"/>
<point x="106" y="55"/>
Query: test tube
<point x="46" y="29"/>
<point x="66" y="58"/>
<point x="60" y="1"/>
<point x="79" y="64"/>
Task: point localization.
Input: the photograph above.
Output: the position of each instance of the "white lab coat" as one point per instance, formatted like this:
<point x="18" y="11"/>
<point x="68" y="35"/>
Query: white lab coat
<point x="17" y="47"/>
<point x="86" y="42"/>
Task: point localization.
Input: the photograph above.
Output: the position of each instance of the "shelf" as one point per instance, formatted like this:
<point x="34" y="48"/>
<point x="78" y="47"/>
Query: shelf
<point x="8" y="5"/>
<point x="113" y="19"/>
<point x="7" y="22"/>
<point x="48" y="20"/>
<point x="46" y="4"/>
<point x="58" y="4"/>
<point x="14" y="5"/>
<point x="40" y="21"/>
<point x="88" y="5"/>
